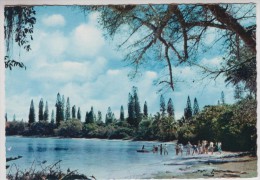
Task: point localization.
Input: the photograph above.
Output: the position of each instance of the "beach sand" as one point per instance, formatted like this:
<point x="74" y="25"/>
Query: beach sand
<point x="239" y="167"/>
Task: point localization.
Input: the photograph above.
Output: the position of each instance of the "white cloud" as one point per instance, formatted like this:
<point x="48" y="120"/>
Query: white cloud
<point x="113" y="72"/>
<point x="93" y="18"/>
<point x="86" y="40"/>
<point x="64" y="71"/>
<point x="211" y="35"/>
<point x="151" y="74"/>
<point x="212" y="62"/>
<point x="54" y="20"/>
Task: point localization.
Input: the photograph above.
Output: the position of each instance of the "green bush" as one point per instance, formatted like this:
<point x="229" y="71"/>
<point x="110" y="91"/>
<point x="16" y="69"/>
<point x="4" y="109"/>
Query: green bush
<point x="233" y="125"/>
<point x="42" y="128"/>
<point x="15" y="128"/>
<point x="121" y="133"/>
<point x="70" y="128"/>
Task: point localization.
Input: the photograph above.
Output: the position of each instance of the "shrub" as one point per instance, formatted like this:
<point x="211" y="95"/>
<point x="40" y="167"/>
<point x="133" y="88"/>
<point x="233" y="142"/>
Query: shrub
<point x="70" y="128"/>
<point x="42" y="128"/>
<point x="15" y="128"/>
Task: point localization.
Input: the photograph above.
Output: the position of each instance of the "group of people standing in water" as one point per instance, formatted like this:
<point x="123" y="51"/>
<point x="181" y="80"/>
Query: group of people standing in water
<point x="162" y="148"/>
<point x="203" y="147"/>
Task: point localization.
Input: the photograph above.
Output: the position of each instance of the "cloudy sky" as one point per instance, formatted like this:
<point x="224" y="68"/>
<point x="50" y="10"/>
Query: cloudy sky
<point x="70" y="56"/>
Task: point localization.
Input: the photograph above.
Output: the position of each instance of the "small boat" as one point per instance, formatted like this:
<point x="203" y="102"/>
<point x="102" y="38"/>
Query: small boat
<point x="142" y="151"/>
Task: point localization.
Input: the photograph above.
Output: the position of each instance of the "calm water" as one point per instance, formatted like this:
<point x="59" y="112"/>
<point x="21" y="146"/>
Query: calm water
<point x="101" y="158"/>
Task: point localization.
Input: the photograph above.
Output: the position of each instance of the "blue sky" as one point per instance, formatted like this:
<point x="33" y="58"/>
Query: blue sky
<point x="70" y="56"/>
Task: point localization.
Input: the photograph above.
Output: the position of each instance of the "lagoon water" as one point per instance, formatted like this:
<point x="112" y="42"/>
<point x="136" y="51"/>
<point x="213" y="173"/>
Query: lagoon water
<point x="102" y="158"/>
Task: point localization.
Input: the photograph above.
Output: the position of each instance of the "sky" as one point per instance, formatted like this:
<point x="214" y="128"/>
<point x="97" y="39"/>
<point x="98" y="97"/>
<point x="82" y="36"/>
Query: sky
<point x="70" y="55"/>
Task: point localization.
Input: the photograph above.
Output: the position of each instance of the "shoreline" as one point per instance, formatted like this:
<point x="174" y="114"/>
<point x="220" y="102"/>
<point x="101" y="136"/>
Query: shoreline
<point x="82" y="138"/>
<point x="227" y="167"/>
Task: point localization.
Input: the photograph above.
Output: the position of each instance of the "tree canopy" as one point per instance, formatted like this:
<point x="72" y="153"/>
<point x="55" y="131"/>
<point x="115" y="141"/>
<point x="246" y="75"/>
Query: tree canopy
<point x="176" y="33"/>
<point x="19" y="24"/>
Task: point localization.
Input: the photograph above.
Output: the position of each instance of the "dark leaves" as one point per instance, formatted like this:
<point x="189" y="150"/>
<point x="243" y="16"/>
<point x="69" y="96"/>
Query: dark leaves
<point x="12" y="63"/>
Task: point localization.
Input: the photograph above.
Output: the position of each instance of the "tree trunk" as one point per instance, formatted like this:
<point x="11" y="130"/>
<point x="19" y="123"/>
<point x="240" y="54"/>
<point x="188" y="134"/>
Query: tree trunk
<point x="232" y="24"/>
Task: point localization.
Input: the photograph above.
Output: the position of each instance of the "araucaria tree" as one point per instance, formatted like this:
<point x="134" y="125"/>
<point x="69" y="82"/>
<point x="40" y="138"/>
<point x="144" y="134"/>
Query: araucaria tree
<point x="134" y="109"/>
<point x="31" y="114"/>
<point x="79" y="114"/>
<point x="41" y="105"/>
<point x="222" y="97"/>
<point x="131" y="109"/>
<point x="63" y="107"/>
<point x="145" y="109"/>
<point x="99" y="117"/>
<point x="52" y="117"/>
<point x="122" y="113"/>
<point x="162" y="106"/>
<point x="188" y="109"/>
<point x="46" y="112"/>
<point x="196" y="108"/>
<point x="59" y="110"/>
<point x="109" y="116"/>
<point x="90" y="116"/>
<point x="67" y="112"/>
<point x="170" y="108"/>
<point x="137" y="106"/>
<point x="73" y="112"/>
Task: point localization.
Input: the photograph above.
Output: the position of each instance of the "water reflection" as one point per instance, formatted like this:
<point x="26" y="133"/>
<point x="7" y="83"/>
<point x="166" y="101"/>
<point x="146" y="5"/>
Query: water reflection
<point x="103" y="157"/>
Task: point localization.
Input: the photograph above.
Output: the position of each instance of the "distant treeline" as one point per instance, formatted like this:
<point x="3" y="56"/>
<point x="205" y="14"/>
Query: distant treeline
<point x="233" y="125"/>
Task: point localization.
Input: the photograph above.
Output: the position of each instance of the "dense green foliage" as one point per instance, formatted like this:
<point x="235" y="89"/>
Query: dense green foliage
<point x="233" y="125"/>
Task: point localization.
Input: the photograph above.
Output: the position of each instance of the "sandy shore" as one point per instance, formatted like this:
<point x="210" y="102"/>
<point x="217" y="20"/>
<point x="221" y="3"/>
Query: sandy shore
<point x="225" y="166"/>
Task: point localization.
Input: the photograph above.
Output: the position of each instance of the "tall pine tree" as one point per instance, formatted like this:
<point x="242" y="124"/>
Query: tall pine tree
<point x="46" y="112"/>
<point x="145" y="109"/>
<point x="222" y="98"/>
<point x="63" y="108"/>
<point x="134" y="109"/>
<point x="131" y="109"/>
<point x="52" y="117"/>
<point x="109" y="116"/>
<point x="188" y="110"/>
<point x="31" y="114"/>
<point x="79" y="114"/>
<point x="99" y="117"/>
<point x="74" y="112"/>
<point x="137" y="106"/>
<point x="59" y="112"/>
<point x="196" y="108"/>
<point x="40" y="115"/>
<point x="122" y="113"/>
<point x="162" y="106"/>
<point x="170" y="108"/>
<point x="67" y="112"/>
